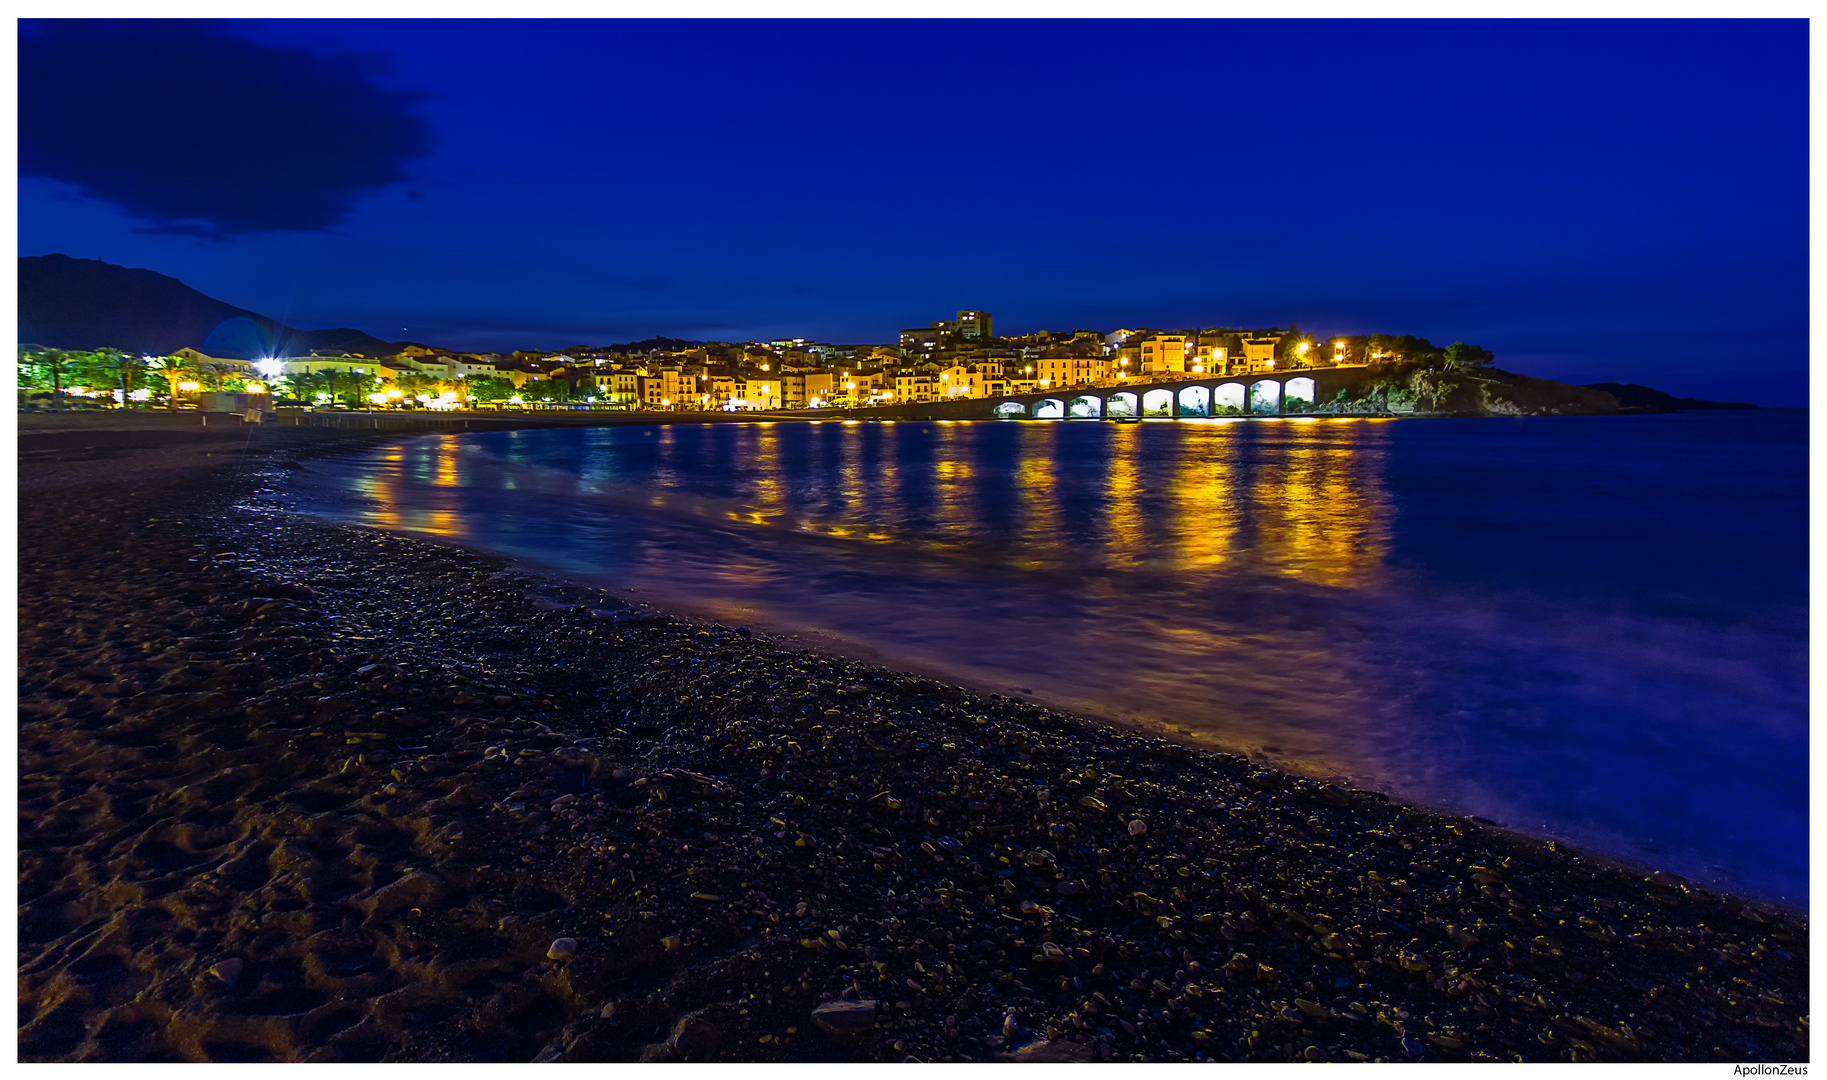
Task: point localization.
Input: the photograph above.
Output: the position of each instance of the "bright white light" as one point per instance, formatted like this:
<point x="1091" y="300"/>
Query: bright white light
<point x="378" y="398"/>
<point x="270" y="368"/>
<point x="516" y="400"/>
<point x="188" y="386"/>
<point x="256" y="388"/>
<point x="141" y="394"/>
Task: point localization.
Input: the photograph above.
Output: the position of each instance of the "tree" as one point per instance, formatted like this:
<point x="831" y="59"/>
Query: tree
<point x="114" y="366"/>
<point x="1462" y="357"/>
<point x="556" y="389"/>
<point x="354" y="387"/>
<point x="52" y="365"/>
<point x="415" y="383"/>
<point x="307" y="385"/>
<point x="174" y="370"/>
<point x="490" y="388"/>
<point x="215" y="373"/>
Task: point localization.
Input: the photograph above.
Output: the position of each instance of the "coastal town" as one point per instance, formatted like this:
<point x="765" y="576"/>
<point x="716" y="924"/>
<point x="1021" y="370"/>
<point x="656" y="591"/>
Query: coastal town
<point x="945" y="360"/>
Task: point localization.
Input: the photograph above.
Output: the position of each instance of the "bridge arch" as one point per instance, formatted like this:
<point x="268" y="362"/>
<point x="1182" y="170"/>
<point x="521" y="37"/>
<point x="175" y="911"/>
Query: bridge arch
<point x="1297" y="393"/>
<point x="1195" y="401"/>
<point x="1265" y="397"/>
<point x="1123" y="404"/>
<point x="1008" y="410"/>
<point x="1158" y="402"/>
<point x="1050" y="409"/>
<point x="1230" y="396"/>
<point x="1085" y="407"/>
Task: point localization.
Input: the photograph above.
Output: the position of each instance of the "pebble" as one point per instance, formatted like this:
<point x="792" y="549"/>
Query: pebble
<point x="228" y="971"/>
<point x="845" y="1017"/>
<point x="1052" y="1051"/>
<point x="561" y="948"/>
<point x="1305" y="886"/>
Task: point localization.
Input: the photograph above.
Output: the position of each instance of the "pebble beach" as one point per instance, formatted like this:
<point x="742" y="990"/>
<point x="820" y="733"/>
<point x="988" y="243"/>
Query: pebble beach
<point x="292" y="791"/>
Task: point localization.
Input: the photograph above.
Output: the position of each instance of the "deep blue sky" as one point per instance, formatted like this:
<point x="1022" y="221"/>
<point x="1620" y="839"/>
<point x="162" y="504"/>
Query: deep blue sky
<point x="1592" y="200"/>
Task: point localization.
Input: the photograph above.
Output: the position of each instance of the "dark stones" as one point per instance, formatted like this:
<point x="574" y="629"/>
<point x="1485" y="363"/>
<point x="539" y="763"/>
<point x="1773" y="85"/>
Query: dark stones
<point x="845" y="1017"/>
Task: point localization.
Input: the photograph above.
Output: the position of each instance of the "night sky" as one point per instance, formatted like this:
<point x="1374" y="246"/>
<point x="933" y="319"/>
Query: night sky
<point x="1592" y="200"/>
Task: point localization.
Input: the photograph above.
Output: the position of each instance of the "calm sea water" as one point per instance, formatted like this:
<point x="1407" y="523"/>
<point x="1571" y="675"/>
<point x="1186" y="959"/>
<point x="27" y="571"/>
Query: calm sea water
<point x="1591" y="628"/>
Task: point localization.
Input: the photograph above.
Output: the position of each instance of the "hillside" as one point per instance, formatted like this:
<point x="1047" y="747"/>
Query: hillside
<point x="1632" y="395"/>
<point x="70" y="303"/>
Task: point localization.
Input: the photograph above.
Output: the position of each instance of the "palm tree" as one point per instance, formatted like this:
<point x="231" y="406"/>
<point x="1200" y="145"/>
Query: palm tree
<point x="175" y="369"/>
<point x="414" y="383"/>
<point x="216" y="371"/>
<point x="116" y="367"/>
<point x="306" y="385"/>
<point x="54" y="363"/>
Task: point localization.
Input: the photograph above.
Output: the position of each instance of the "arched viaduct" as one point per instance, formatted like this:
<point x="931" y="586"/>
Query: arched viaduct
<point x="1264" y="394"/>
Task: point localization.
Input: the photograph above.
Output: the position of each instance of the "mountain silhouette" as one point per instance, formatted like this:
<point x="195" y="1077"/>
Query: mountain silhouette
<point x="67" y="303"/>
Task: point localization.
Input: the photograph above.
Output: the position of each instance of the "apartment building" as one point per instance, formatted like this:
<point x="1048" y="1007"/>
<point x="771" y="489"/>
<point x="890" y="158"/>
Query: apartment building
<point x="1161" y="354"/>
<point x="1052" y="372"/>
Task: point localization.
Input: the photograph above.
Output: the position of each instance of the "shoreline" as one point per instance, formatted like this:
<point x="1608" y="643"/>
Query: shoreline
<point x="729" y="831"/>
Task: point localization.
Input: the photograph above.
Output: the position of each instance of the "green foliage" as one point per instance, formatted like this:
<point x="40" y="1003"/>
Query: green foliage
<point x="490" y="388"/>
<point x="47" y="369"/>
<point x="556" y="389"/>
<point x="1403" y="348"/>
<point x="114" y="369"/>
<point x="1430" y="387"/>
<point x="1462" y="357"/>
<point x="415" y="383"/>
<point x="305" y="386"/>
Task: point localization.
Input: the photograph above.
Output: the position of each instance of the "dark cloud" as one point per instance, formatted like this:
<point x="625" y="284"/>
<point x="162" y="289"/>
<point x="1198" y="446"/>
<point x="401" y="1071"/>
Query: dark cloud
<point x="203" y="133"/>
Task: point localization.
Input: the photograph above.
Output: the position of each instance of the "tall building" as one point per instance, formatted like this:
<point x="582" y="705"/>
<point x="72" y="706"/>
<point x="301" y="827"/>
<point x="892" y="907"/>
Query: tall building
<point x="974" y="325"/>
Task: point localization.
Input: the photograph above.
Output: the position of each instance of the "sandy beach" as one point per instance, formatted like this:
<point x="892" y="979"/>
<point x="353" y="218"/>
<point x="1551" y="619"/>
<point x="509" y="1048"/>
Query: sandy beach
<point x="297" y="792"/>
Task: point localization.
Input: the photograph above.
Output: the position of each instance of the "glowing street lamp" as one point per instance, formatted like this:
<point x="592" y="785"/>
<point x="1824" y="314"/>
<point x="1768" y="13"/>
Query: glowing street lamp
<point x="188" y="386"/>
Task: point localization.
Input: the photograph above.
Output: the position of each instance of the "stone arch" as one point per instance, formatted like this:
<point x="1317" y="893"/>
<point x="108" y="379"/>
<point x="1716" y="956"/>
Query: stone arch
<point x="1231" y="396"/>
<point x="1123" y="404"/>
<point x="1265" y="397"/>
<point x="1158" y="402"/>
<point x="1194" y="401"/>
<point x="1297" y="393"/>
<point x="1085" y="407"/>
<point x="1050" y="409"/>
<point x="1008" y="410"/>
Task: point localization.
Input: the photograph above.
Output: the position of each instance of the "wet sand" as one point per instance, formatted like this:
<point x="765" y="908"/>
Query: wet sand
<point x="295" y="792"/>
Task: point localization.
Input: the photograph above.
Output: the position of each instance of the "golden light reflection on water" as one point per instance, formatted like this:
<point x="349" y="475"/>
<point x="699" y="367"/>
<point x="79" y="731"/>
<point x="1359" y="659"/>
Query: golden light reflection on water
<point x="768" y="498"/>
<point x="1125" y="534"/>
<point x="886" y="490"/>
<point x="1037" y="490"/>
<point x="1332" y="508"/>
<point x="446" y="475"/>
<point x="1306" y="501"/>
<point x="1206" y="499"/>
<point x="1153" y="530"/>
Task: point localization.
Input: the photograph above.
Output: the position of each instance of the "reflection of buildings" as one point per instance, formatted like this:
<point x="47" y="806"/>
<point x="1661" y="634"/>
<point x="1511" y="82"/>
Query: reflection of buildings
<point x="1302" y="499"/>
<point x="1323" y="514"/>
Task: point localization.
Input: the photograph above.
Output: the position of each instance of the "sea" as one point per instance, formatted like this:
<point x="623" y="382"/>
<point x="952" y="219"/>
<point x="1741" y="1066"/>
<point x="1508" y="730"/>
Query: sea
<point x="1586" y="628"/>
